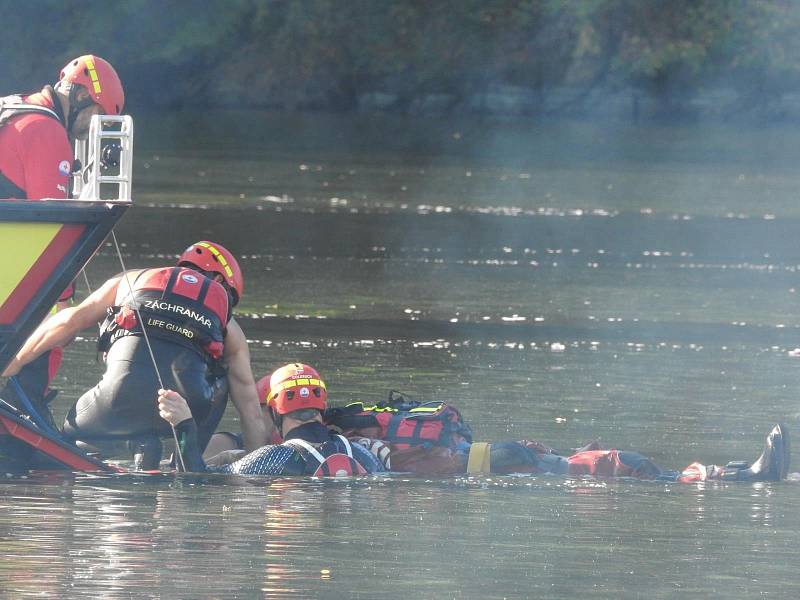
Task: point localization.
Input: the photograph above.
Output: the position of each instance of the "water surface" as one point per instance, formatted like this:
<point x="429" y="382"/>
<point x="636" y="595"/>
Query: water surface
<point x="558" y="283"/>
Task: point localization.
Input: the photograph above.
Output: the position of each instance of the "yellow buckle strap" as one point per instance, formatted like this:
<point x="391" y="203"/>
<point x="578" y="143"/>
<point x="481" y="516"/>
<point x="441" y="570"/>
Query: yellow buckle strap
<point x="417" y="409"/>
<point x="479" y="460"/>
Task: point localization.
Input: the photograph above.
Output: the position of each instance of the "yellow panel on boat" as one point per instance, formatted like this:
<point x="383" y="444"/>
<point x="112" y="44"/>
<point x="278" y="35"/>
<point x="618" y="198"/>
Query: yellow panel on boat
<point x="21" y="244"/>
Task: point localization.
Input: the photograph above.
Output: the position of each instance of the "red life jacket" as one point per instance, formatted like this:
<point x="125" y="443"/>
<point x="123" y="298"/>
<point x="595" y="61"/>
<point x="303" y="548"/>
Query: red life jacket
<point x="176" y="304"/>
<point x="10" y="107"/>
<point x="405" y="425"/>
<point x="612" y="463"/>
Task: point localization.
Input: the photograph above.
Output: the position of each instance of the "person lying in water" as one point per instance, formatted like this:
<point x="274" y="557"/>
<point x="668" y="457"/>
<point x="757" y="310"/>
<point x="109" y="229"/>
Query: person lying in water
<point x="432" y="438"/>
<point x="309" y="448"/>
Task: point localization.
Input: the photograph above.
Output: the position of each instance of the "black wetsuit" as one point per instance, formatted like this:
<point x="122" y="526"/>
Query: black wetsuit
<point x="124" y="404"/>
<point x="279" y="459"/>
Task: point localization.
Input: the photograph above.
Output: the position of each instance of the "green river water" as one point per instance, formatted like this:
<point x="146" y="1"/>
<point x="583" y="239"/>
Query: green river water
<point x="558" y="282"/>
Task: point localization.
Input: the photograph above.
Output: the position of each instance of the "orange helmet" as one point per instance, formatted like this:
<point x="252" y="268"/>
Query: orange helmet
<point x="214" y="258"/>
<point x="100" y="80"/>
<point x="293" y="387"/>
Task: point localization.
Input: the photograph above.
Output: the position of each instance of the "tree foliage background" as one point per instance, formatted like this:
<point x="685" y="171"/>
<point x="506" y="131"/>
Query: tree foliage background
<point x="553" y="56"/>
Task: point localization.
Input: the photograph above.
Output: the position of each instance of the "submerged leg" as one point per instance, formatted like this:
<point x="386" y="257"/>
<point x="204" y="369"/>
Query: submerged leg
<point x="524" y="457"/>
<point x="530" y="457"/>
<point x="146" y="452"/>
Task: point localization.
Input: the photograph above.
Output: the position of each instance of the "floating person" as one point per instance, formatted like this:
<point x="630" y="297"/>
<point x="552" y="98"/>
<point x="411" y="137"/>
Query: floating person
<point x="36" y="135"/>
<point x="198" y="349"/>
<point x="297" y="399"/>
<point x="433" y="439"/>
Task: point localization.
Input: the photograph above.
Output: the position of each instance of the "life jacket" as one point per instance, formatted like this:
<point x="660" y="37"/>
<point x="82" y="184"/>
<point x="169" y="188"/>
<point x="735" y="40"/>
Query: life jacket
<point x="176" y="304"/>
<point x="404" y="424"/>
<point x="14" y="105"/>
<point x="10" y="107"/>
<point x="612" y="463"/>
<point x="331" y="462"/>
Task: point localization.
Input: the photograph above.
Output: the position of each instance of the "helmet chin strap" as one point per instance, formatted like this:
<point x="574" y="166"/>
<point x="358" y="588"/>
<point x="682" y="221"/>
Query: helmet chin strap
<point x="75" y="105"/>
<point x="276" y="419"/>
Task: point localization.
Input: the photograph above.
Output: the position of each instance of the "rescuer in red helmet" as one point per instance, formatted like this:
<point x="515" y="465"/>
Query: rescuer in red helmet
<point x="179" y="317"/>
<point x="214" y="259"/>
<point x="36" y="133"/>
<point x="36" y="130"/>
<point x="296" y="397"/>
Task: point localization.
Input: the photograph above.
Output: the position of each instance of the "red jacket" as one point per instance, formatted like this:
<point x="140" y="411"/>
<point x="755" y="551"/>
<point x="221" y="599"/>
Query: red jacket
<point x="175" y="303"/>
<point x="35" y="153"/>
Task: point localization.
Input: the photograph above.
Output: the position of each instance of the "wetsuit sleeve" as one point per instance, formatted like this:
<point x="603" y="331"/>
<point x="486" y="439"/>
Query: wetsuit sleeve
<point x="47" y="160"/>
<point x="190" y="448"/>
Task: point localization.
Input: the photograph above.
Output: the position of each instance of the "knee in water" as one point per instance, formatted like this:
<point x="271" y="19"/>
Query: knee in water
<point x="640" y="465"/>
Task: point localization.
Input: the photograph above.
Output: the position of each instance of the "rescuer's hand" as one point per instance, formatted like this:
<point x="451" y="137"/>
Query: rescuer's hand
<point x="172" y="407"/>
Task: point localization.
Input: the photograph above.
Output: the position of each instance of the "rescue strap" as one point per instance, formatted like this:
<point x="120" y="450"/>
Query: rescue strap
<point x="480" y="458"/>
<point x="299" y="444"/>
<point x="15" y="108"/>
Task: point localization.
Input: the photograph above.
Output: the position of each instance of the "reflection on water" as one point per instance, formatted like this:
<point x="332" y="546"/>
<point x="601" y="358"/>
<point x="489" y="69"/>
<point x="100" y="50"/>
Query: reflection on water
<point x="628" y="296"/>
<point x="186" y="537"/>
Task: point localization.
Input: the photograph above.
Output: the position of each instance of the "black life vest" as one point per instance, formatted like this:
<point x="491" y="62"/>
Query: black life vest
<point x="176" y="304"/>
<point x="405" y="424"/>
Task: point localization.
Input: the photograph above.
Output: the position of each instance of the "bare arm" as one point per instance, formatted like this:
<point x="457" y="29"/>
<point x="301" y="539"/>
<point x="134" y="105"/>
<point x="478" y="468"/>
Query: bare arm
<point x="255" y="429"/>
<point x="61" y="328"/>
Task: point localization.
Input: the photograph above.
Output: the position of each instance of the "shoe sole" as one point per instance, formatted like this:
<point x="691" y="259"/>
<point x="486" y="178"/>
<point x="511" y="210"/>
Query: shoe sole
<point x="780" y="452"/>
<point x="785" y="451"/>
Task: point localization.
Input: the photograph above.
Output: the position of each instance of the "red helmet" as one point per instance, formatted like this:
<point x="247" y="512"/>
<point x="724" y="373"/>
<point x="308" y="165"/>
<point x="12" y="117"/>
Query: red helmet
<point x="214" y="258"/>
<point x="100" y="80"/>
<point x="293" y="387"/>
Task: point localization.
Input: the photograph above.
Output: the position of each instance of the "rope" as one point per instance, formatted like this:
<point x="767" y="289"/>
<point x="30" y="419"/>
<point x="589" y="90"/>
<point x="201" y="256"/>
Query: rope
<point x="147" y="342"/>
<point x="86" y="279"/>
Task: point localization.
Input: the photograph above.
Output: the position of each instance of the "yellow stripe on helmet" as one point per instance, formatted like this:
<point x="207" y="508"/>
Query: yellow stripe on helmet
<point x="219" y="256"/>
<point x="93" y="75"/>
<point x="293" y="383"/>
